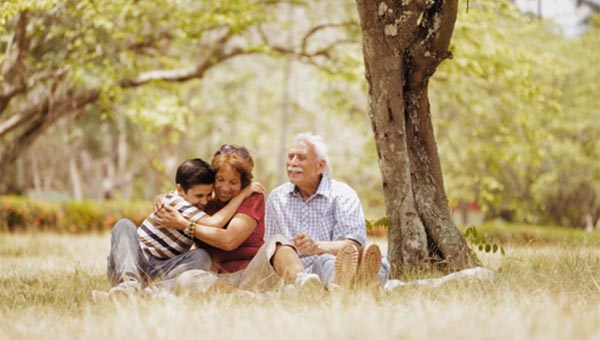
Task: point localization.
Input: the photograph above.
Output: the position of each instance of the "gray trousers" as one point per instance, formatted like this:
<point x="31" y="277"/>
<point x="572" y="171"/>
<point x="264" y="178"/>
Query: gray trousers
<point x="324" y="266"/>
<point x="127" y="261"/>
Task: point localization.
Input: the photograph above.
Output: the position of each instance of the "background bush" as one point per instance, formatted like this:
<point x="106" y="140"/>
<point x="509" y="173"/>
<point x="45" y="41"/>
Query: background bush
<point x="22" y="213"/>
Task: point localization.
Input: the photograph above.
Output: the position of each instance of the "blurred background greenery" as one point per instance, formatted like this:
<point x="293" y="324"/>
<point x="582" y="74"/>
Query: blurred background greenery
<point x="516" y="110"/>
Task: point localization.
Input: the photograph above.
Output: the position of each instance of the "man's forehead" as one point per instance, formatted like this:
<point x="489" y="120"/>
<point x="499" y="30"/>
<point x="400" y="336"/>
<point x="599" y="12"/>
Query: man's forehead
<point x="301" y="148"/>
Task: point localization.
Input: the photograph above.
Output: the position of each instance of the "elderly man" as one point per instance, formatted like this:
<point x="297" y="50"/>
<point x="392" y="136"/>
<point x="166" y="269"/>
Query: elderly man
<point x="324" y="219"/>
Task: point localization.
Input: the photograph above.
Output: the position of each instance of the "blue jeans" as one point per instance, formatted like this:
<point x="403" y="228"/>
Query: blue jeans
<point x="127" y="261"/>
<point x="324" y="266"/>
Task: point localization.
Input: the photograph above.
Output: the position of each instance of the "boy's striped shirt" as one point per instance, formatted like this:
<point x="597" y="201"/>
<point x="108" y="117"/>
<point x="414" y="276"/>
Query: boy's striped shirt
<point x="166" y="243"/>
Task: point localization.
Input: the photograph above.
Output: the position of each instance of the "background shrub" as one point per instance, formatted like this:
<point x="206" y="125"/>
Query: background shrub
<point x="22" y="213"/>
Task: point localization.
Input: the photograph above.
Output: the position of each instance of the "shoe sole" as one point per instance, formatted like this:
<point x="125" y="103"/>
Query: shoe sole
<point x="346" y="263"/>
<point x="369" y="266"/>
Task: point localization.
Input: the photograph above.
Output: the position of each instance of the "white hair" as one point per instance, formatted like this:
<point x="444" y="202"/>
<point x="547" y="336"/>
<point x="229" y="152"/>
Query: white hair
<point x="320" y="148"/>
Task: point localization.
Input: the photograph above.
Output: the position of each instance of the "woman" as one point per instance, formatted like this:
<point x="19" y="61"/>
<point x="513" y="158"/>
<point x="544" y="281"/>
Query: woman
<point x="238" y="251"/>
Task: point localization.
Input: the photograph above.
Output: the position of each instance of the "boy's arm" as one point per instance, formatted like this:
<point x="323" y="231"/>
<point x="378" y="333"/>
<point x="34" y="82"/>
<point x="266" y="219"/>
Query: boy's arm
<point x="220" y="218"/>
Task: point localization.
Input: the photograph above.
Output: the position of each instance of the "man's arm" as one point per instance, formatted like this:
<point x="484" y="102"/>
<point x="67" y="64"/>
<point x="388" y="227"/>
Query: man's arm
<point x="350" y="222"/>
<point x="305" y="245"/>
<point x="350" y="226"/>
<point x="273" y="218"/>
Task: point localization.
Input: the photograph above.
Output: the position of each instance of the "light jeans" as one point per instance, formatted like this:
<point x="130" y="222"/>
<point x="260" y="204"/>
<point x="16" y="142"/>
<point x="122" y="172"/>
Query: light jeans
<point x="127" y="261"/>
<point x="258" y="276"/>
<point x="324" y="266"/>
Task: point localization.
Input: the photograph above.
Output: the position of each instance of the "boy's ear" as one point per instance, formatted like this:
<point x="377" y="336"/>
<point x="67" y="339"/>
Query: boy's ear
<point x="180" y="190"/>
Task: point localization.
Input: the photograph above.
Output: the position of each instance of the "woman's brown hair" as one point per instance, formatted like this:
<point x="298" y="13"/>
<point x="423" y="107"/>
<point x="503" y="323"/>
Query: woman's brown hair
<point x="238" y="158"/>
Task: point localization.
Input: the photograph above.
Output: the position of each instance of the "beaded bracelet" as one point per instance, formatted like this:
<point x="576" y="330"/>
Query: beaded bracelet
<point x="189" y="230"/>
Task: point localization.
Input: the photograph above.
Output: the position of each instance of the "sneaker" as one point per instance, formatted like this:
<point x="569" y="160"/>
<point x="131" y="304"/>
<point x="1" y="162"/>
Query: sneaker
<point x="125" y="290"/>
<point x="195" y="281"/>
<point x="308" y="281"/>
<point x="393" y="284"/>
<point x="368" y="267"/>
<point x="346" y="262"/>
<point x="156" y="293"/>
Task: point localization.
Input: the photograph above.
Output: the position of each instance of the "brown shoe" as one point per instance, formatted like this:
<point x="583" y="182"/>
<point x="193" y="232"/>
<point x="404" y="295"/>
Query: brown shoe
<point x="346" y="262"/>
<point x="370" y="261"/>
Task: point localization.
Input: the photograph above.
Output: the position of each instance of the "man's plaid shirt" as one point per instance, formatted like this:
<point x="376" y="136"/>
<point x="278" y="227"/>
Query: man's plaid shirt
<point x="332" y="213"/>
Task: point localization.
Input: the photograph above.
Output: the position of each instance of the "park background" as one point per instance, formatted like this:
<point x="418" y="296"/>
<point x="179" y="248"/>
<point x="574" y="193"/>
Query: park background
<point x="148" y="84"/>
<point x="515" y="110"/>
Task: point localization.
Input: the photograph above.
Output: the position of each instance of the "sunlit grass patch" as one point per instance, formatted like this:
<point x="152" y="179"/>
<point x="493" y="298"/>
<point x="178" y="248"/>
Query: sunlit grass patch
<point x="539" y="292"/>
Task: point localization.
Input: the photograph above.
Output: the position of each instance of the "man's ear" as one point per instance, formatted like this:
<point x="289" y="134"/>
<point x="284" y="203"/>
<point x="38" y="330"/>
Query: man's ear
<point x="321" y="165"/>
<point x="180" y="190"/>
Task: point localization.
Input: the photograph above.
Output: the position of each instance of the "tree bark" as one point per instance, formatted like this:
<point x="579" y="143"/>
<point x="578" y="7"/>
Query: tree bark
<point x="403" y="43"/>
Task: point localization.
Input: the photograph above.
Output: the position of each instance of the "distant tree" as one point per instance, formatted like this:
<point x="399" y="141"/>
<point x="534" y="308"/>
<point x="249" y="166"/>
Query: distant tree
<point x="60" y="56"/>
<point x="515" y="117"/>
<point x="403" y="43"/>
<point x="75" y="58"/>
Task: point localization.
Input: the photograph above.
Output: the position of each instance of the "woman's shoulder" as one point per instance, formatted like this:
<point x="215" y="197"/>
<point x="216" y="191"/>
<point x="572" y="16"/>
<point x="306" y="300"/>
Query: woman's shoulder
<point x="253" y="203"/>
<point x="254" y="198"/>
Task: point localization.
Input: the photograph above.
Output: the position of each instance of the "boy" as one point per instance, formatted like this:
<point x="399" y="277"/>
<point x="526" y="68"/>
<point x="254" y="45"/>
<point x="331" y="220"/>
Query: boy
<point x="141" y="255"/>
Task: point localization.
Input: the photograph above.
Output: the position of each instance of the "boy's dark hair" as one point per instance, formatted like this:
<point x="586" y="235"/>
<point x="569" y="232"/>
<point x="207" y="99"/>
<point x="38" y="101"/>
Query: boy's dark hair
<point x="193" y="172"/>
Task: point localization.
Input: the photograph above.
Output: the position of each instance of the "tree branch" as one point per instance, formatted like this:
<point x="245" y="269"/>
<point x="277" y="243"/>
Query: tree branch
<point x="180" y="75"/>
<point x="41" y="118"/>
<point x="30" y="83"/>
<point x="318" y="28"/>
<point x="431" y="49"/>
<point x="13" y="72"/>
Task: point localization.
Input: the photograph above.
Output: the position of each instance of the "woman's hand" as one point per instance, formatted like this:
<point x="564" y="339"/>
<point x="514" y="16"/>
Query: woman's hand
<point x="169" y="217"/>
<point x="254" y="187"/>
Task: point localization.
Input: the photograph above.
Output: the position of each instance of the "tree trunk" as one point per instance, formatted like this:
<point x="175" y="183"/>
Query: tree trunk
<point x="75" y="179"/>
<point x="403" y="43"/>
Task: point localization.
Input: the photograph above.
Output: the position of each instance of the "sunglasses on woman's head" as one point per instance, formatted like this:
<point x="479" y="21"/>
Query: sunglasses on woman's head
<point x="226" y="149"/>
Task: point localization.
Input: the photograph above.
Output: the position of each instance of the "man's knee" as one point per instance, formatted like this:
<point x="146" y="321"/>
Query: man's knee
<point x="321" y="260"/>
<point x="285" y="253"/>
<point x="200" y="259"/>
<point x="124" y="226"/>
<point x="384" y="271"/>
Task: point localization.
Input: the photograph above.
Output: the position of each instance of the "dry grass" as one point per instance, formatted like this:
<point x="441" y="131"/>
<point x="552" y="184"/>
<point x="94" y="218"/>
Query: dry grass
<point x="546" y="292"/>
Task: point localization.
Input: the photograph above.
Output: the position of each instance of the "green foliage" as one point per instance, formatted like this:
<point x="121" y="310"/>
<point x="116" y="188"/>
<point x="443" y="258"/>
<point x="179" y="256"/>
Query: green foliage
<point x="21" y="213"/>
<point x="536" y="235"/>
<point x="482" y="242"/>
<point x="516" y="119"/>
<point x="515" y="110"/>
<point x="378" y="228"/>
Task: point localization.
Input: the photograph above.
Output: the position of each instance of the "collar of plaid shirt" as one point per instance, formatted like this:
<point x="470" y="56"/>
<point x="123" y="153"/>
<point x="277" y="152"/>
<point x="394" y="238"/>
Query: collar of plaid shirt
<point x="322" y="190"/>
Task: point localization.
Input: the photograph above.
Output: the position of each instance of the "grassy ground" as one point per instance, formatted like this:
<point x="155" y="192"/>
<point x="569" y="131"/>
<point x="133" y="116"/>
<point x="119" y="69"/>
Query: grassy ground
<point x="541" y="291"/>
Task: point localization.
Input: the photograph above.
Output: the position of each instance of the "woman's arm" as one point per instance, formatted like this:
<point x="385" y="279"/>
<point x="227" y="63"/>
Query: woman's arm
<point x="220" y="219"/>
<point x="169" y="217"/>
<point x="238" y="230"/>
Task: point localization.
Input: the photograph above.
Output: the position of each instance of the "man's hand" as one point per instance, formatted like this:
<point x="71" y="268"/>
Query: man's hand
<point x="306" y="245"/>
<point x="169" y="217"/>
<point x="157" y="202"/>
